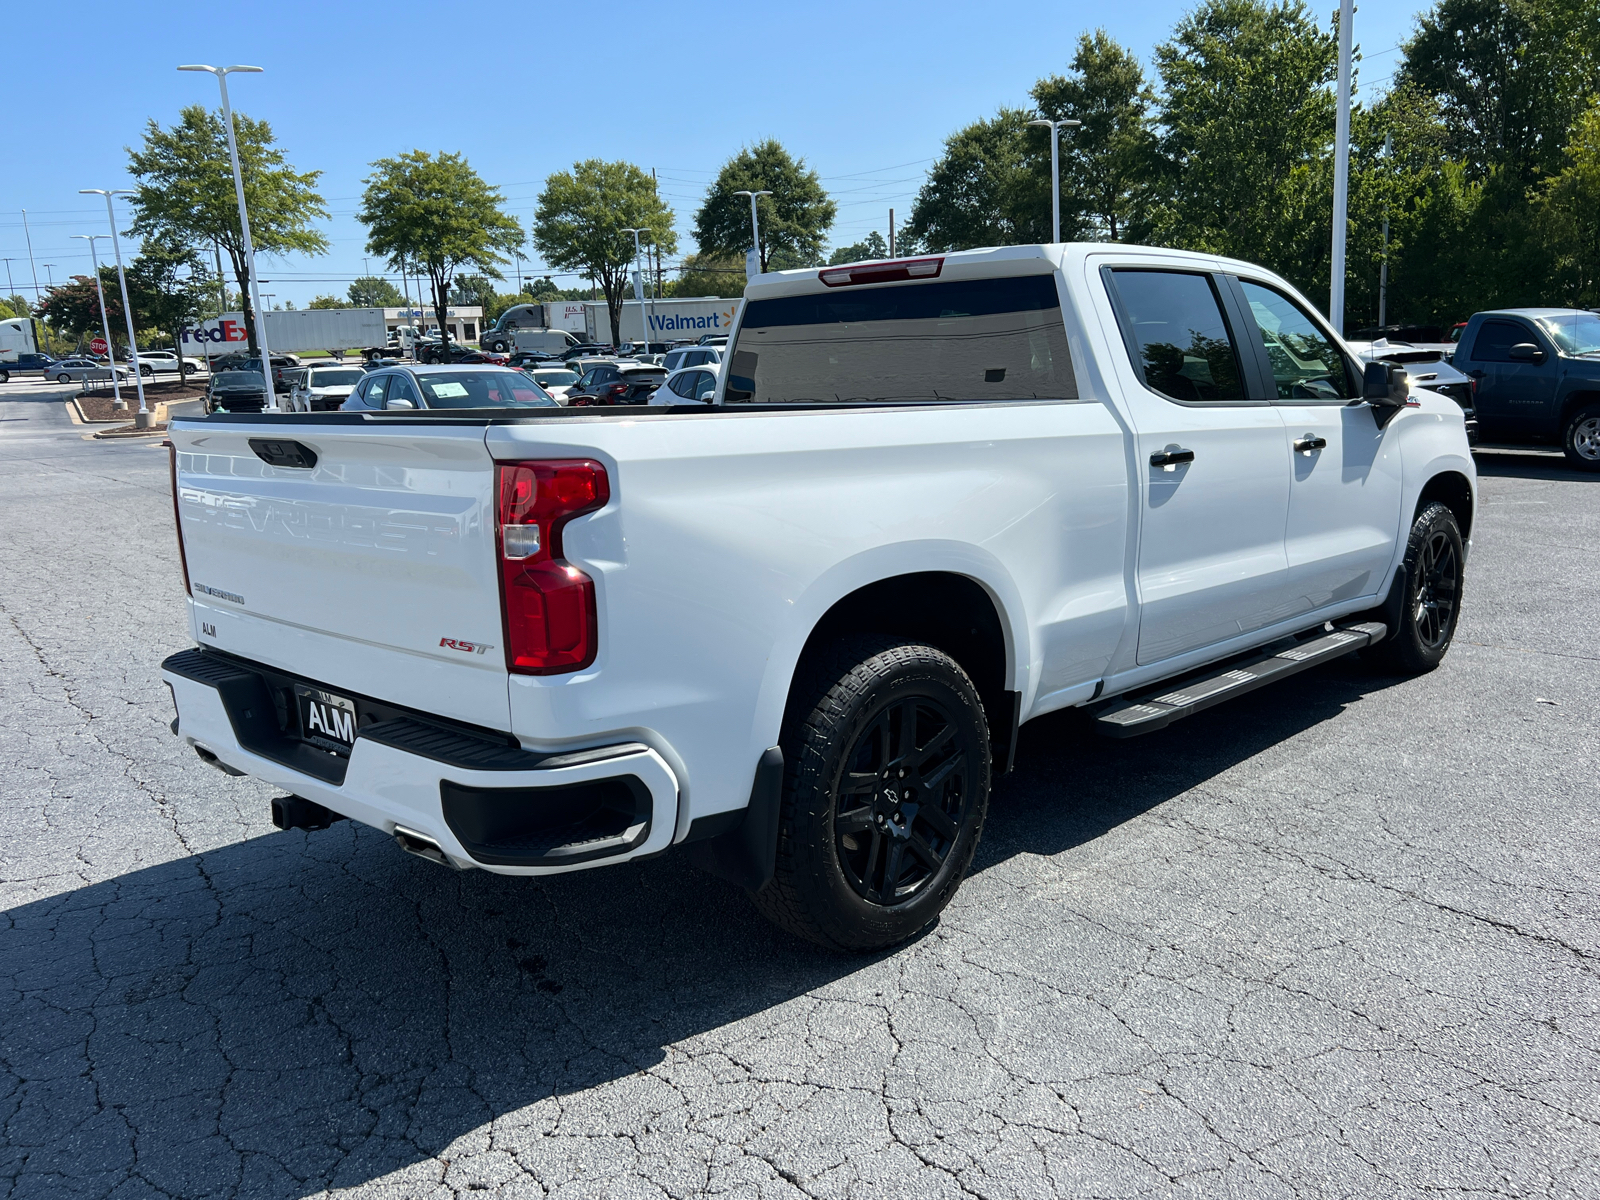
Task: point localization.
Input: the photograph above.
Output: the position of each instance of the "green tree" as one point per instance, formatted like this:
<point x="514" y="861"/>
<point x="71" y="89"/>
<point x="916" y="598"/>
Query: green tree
<point x="988" y="188"/>
<point x="166" y="285"/>
<point x="437" y="212"/>
<point x="474" y="289"/>
<point x="1246" y="111"/>
<point x="871" y="247"/>
<point x="1511" y="76"/>
<point x="795" y="219"/>
<point x="541" y="289"/>
<point x="186" y="194"/>
<point x="707" y="275"/>
<point x="326" y="301"/>
<point x="580" y="219"/>
<point x="73" y="308"/>
<point x="1568" y="215"/>
<point x="1107" y="160"/>
<point x="373" y="291"/>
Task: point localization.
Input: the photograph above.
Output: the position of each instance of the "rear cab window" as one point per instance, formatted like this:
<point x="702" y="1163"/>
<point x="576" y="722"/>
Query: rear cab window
<point x="1173" y="327"/>
<point x="905" y="343"/>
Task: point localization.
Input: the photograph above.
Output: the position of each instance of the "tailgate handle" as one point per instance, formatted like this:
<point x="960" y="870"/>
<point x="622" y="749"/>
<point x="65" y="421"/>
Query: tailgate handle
<point x="276" y="453"/>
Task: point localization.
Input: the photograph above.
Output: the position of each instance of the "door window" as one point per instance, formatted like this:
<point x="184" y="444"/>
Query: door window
<point x="704" y="384"/>
<point x="1177" y="338"/>
<point x="1306" y="365"/>
<point x="1495" y="339"/>
<point x="400" y="389"/>
<point x="373" y="398"/>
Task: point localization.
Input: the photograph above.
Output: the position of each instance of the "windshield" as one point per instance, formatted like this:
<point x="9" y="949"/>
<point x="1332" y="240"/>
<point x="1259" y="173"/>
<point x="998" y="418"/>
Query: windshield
<point x="337" y="377"/>
<point x="1574" y="333"/>
<point x="241" y="379"/>
<point x="556" y="378"/>
<point x="482" y="389"/>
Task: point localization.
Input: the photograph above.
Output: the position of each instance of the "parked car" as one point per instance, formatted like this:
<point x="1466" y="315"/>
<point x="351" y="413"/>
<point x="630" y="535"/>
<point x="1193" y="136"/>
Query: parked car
<point x="1428" y="368"/>
<point x="26" y="361"/>
<point x="324" y="387"/>
<point x="437" y="352"/>
<point x="557" y="380"/>
<point x="719" y="340"/>
<point x="641" y="349"/>
<point x="791" y="638"/>
<point x="1538" y="376"/>
<point x="687" y="386"/>
<point x="165" y="362"/>
<point x="82" y="370"/>
<point x="692" y="356"/>
<point x="422" y="387"/>
<point x="589" y="350"/>
<point x="246" y="362"/>
<point x="615" y="383"/>
<point x="237" y="391"/>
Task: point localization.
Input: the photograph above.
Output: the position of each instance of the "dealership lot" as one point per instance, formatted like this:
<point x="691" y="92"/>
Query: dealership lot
<point x="1340" y="938"/>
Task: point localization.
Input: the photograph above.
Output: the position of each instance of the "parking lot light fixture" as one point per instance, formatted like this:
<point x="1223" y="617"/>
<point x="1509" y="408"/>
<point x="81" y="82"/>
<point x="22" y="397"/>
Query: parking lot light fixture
<point x="222" y="74"/>
<point x="755" y="225"/>
<point x="105" y="321"/>
<point x="142" y="421"/>
<point x="1055" y="128"/>
<point x="638" y="276"/>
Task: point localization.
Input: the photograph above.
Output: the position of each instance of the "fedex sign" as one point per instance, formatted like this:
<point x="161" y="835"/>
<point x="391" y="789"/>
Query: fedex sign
<point x="225" y="331"/>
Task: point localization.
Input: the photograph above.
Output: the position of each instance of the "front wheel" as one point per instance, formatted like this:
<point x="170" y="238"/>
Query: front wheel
<point x="886" y="785"/>
<point x="1430" y="603"/>
<point x="1581" y="438"/>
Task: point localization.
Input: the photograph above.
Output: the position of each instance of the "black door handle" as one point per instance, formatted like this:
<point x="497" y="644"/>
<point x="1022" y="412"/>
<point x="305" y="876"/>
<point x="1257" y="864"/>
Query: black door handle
<point x="1168" y="460"/>
<point x="1306" y="445"/>
<point x="1476" y="372"/>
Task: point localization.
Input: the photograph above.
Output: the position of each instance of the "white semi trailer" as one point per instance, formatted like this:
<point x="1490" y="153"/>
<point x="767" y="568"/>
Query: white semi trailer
<point x="671" y="320"/>
<point x="291" y="331"/>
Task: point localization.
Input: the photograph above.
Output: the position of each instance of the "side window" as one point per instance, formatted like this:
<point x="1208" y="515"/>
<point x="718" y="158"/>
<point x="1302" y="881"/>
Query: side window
<point x="704" y="384"/>
<point x="1177" y="337"/>
<point x="588" y="378"/>
<point x="1495" y="339"/>
<point x="680" y="386"/>
<point x="373" y="398"/>
<point x="400" y="389"/>
<point x="1306" y="365"/>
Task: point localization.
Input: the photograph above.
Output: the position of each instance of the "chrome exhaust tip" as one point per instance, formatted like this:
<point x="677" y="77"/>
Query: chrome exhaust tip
<point x="422" y="846"/>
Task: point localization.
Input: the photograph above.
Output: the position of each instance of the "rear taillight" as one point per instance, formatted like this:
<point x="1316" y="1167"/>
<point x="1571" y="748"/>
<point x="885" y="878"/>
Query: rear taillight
<point x="883" y="272"/>
<point x="177" y="520"/>
<point x="546" y="603"/>
<point x="617" y="389"/>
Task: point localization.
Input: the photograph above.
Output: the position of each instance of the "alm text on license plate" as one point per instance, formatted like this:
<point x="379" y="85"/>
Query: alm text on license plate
<point x="326" y="720"/>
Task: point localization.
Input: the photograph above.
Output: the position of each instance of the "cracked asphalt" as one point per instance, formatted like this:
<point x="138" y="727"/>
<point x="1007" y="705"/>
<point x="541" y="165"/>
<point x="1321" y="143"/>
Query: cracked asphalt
<point x="1337" y="939"/>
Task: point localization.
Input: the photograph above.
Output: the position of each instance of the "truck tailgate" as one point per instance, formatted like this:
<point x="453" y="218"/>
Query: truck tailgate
<point x="372" y="571"/>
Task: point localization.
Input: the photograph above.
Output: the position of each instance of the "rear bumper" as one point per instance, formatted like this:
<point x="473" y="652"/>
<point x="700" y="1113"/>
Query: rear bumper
<point x="484" y="800"/>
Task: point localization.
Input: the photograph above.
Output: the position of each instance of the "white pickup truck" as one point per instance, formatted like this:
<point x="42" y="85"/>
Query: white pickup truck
<point x="792" y="634"/>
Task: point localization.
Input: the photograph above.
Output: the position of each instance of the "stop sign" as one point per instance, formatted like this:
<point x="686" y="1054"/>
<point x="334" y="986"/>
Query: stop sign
<point x="98" y="346"/>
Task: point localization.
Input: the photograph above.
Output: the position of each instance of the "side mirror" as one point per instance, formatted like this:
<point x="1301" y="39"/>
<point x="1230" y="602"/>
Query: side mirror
<point x="400" y="402"/>
<point x="1384" y="383"/>
<point x="1526" y="352"/>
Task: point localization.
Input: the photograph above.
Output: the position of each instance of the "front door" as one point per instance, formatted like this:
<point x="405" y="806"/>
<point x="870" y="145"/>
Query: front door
<point x="1514" y="396"/>
<point x="1344" y="492"/>
<point x="1213" y="467"/>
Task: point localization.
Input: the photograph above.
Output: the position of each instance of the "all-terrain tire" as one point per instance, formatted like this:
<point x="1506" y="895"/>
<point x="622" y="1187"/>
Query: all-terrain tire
<point x="886" y="786"/>
<point x="1581" y="438"/>
<point x="1430" y="604"/>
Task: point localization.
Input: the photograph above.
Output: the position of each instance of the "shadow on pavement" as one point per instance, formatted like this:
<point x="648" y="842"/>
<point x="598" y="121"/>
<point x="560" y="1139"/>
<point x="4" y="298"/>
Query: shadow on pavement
<point x="1548" y="464"/>
<point x="299" y="1011"/>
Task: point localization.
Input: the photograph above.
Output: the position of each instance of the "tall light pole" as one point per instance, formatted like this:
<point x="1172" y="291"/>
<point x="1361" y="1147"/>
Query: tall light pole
<point x="1341" y="167"/>
<point x="638" y="287"/>
<point x="31" y="267"/>
<point x="755" y="228"/>
<point x="105" y="321"/>
<point x="49" y="279"/>
<point x="142" y="421"/>
<point x="222" y="74"/>
<point x="1055" y="128"/>
<point x="1383" y="269"/>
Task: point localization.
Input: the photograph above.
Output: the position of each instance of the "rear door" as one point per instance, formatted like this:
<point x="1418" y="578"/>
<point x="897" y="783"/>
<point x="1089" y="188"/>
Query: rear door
<point x="372" y="571"/>
<point x="1344" y="491"/>
<point x="1213" y="464"/>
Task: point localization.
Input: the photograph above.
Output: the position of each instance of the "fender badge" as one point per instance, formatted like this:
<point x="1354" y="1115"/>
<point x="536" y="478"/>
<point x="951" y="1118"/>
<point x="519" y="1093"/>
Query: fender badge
<point x="465" y="647"/>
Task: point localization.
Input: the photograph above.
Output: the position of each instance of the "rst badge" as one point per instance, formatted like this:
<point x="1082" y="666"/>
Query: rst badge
<point x="464" y="646"/>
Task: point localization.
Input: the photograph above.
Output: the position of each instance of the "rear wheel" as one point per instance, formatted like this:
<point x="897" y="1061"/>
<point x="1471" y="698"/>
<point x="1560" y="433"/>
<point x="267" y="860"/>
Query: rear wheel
<point x="1581" y="438"/>
<point x="63" y="378"/>
<point x="1431" y="601"/>
<point x="886" y="786"/>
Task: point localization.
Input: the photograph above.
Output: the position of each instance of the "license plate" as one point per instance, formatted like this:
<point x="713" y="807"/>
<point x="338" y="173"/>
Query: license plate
<point x="326" y="720"/>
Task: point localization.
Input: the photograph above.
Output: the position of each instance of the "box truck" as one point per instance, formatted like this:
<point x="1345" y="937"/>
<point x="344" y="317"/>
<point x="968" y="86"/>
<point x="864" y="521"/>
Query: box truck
<point x="292" y="331"/>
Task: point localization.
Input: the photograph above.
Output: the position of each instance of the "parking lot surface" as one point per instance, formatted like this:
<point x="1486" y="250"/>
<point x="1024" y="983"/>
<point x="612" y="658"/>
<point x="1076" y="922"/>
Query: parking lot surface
<point x="1339" y="938"/>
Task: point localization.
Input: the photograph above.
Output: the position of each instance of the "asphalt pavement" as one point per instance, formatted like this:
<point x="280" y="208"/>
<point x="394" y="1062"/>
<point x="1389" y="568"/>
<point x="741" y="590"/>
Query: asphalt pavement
<point x="1337" y="939"/>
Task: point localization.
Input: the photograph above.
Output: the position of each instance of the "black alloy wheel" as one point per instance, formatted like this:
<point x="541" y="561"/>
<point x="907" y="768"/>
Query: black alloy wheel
<point x="886" y="786"/>
<point x="1429" y="603"/>
<point x="902" y="799"/>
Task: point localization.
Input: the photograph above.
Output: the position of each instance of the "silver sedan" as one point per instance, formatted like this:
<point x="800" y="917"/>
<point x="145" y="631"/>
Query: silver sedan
<point x="81" y="370"/>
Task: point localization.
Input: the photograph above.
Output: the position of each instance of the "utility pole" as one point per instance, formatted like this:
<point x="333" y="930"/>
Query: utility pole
<point x="1383" y="268"/>
<point x="11" y="288"/>
<point x="31" y="267"/>
<point x="1341" y="168"/>
<point x="891" y="233"/>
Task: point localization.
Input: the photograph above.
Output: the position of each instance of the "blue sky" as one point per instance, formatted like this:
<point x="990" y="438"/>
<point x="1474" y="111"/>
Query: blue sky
<point x="865" y="92"/>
